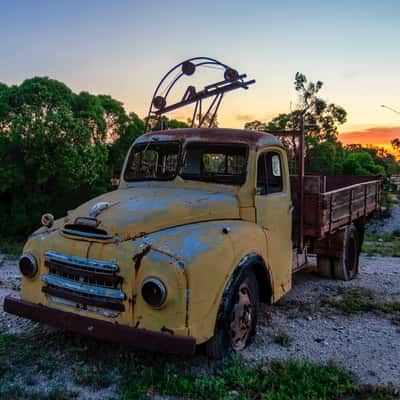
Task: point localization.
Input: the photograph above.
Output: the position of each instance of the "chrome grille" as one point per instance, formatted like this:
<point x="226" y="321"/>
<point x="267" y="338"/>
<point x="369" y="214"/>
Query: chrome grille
<point x="88" y="283"/>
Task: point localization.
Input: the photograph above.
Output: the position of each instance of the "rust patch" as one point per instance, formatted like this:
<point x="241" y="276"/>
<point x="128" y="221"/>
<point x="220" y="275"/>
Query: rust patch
<point x="88" y="249"/>
<point x="164" y="329"/>
<point x="222" y="135"/>
<point x="140" y="339"/>
<point x="45" y="232"/>
<point x="137" y="259"/>
<point x="137" y="236"/>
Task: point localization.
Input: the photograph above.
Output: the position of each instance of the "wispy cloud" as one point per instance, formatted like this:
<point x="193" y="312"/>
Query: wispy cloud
<point x="179" y="116"/>
<point x="350" y="74"/>
<point x="245" y="117"/>
<point x="375" y="135"/>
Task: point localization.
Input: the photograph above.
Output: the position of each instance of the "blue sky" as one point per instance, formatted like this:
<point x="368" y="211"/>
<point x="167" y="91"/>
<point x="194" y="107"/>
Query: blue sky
<point x="122" y="48"/>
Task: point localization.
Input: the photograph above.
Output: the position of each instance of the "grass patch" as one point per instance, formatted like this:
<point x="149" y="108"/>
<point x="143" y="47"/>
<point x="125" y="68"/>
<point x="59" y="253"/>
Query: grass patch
<point x="20" y="351"/>
<point x="359" y="300"/>
<point x="390" y="199"/>
<point x="384" y="245"/>
<point x="274" y="381"/>
<point x="96" y="365"/>
<point x="271" y="382"/>
<point x="96" y="376"/>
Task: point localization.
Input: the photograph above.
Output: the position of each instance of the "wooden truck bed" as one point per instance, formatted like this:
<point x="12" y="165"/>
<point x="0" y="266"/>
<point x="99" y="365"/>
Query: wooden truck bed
<point x="331" y="202"/>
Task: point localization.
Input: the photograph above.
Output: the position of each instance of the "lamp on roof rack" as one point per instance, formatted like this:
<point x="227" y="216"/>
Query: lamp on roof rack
<point x="231" y="74"/>
<point x="188" y="68"/>
<point x="160" y="104"/>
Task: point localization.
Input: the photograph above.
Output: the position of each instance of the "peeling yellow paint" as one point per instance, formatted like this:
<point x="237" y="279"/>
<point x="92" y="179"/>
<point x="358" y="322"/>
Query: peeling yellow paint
<point x="190" y="235"/>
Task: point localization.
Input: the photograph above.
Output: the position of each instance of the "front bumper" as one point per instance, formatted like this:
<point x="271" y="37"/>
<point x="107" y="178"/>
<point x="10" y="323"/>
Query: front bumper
<point x="139" y="339"/>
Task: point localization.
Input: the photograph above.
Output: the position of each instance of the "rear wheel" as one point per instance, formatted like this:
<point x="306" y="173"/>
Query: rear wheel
<point x="237" y="317"/>
<point x="346" y="266"/>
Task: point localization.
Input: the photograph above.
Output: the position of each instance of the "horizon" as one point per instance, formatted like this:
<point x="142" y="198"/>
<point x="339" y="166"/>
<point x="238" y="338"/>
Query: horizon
<point x="101" y="49"/>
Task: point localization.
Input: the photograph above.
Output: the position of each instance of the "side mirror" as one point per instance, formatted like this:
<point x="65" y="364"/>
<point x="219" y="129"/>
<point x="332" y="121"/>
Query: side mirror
<point x="114" y="183"/>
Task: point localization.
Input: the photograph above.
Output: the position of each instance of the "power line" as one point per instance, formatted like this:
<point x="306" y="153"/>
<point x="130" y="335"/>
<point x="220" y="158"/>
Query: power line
<point x="390" y="108"/>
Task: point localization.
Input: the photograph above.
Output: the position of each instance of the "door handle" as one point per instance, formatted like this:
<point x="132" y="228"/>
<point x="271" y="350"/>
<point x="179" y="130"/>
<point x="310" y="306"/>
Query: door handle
<point x="291" y="208"/>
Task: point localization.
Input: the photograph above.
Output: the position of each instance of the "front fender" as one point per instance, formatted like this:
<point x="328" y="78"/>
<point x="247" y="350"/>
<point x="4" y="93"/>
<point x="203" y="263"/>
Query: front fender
<point x="197" y="260"/>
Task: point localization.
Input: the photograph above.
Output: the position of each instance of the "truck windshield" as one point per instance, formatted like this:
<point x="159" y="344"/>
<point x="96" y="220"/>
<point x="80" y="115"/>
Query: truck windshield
<point x="220" y="163"/>
<point x="153" y="161"/>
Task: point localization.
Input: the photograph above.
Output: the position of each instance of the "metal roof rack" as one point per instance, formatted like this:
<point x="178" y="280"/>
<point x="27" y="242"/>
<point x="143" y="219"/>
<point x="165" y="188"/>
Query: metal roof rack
<point x="159" y="103"/>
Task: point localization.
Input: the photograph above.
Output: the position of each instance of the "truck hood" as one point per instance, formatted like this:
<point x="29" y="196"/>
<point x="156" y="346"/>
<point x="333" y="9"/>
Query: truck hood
<point x="137" y="211"/>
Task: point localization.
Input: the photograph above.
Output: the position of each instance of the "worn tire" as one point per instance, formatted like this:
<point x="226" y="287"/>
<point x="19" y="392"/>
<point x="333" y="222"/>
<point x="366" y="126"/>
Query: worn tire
<point x="222" y="341"/>
<point x="324" y="266"/>
<point x="361" y="234"/>
<point x="346" y="266"/>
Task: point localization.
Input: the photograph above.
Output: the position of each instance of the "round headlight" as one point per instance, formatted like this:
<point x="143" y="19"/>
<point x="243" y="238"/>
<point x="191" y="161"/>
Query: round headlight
<point x="154" y="292"/>
<point x="28" y="265"/>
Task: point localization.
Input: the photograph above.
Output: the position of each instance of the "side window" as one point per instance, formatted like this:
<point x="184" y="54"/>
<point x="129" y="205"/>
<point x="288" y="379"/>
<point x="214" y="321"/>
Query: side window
<point x="269" y="173"/>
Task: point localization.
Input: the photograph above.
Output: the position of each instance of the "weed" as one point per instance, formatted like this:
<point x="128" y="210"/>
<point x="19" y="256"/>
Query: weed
<point x="6" y="341"/>
<point x="396" y="320"/>
<point x="292" y="380"/>
<point x="283" y="339"/>
<point x="11" y="390"/>
<point x="55" y="392"/>
<point x="59" y="392"/>
<point x="16" y="351"/>
<point x="96" y="376"/>
<point x="377" y="236"/>
<point x="146" y="375"/>
<point x="373" y="392"/>
<point x="358" y="300"/>
<point x="379" y="244"/>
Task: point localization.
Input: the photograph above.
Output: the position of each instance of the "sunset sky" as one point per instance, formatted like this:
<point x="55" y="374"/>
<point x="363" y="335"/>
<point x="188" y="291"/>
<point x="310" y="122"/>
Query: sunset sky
<point x="122" y="48"/>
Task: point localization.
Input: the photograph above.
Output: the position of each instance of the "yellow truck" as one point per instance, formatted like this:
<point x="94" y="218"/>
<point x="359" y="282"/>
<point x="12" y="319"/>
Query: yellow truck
<point x="203" y="226"/>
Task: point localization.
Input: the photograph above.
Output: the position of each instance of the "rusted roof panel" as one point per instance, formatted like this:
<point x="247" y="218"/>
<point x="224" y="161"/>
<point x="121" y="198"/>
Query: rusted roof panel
<point x="214" y="135"/>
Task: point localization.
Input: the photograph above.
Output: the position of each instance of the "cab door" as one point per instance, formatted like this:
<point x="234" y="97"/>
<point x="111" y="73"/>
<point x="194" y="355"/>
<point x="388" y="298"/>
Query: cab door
<point x="274" y="213"/>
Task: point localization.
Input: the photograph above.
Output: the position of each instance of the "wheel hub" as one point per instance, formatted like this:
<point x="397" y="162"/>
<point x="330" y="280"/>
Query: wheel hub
<point x="241" y="319"/>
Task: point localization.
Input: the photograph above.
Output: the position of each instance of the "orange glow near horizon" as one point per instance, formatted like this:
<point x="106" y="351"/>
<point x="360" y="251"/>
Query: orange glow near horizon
<point x="365" y="135"/>
<point x="376" y="136"/>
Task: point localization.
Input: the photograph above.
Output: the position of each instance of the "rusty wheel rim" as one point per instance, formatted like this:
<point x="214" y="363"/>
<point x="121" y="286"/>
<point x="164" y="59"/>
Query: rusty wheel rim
<point x="241" y="318"/>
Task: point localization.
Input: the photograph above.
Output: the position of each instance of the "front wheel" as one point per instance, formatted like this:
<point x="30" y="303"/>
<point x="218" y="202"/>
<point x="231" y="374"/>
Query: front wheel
<point x="237" y="316"/>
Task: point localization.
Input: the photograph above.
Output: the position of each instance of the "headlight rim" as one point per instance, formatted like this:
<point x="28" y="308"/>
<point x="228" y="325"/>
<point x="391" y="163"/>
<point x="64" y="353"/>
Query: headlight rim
<point x="161" y="285"/>
<point x="33" y="261"/>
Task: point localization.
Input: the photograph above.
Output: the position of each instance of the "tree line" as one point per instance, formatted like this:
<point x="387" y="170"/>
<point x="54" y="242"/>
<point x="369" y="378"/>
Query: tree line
<point x="325" y="154"/>
<point x="59" y="148"/>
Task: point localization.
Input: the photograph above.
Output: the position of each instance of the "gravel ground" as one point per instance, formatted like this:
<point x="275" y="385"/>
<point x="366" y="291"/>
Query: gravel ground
<point x="367" y="344"/>
<point x="388" y="225"/>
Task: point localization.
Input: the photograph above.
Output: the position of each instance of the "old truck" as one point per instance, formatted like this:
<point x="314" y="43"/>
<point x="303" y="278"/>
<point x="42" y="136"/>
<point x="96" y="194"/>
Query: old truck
<point x="205" y="225"/>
